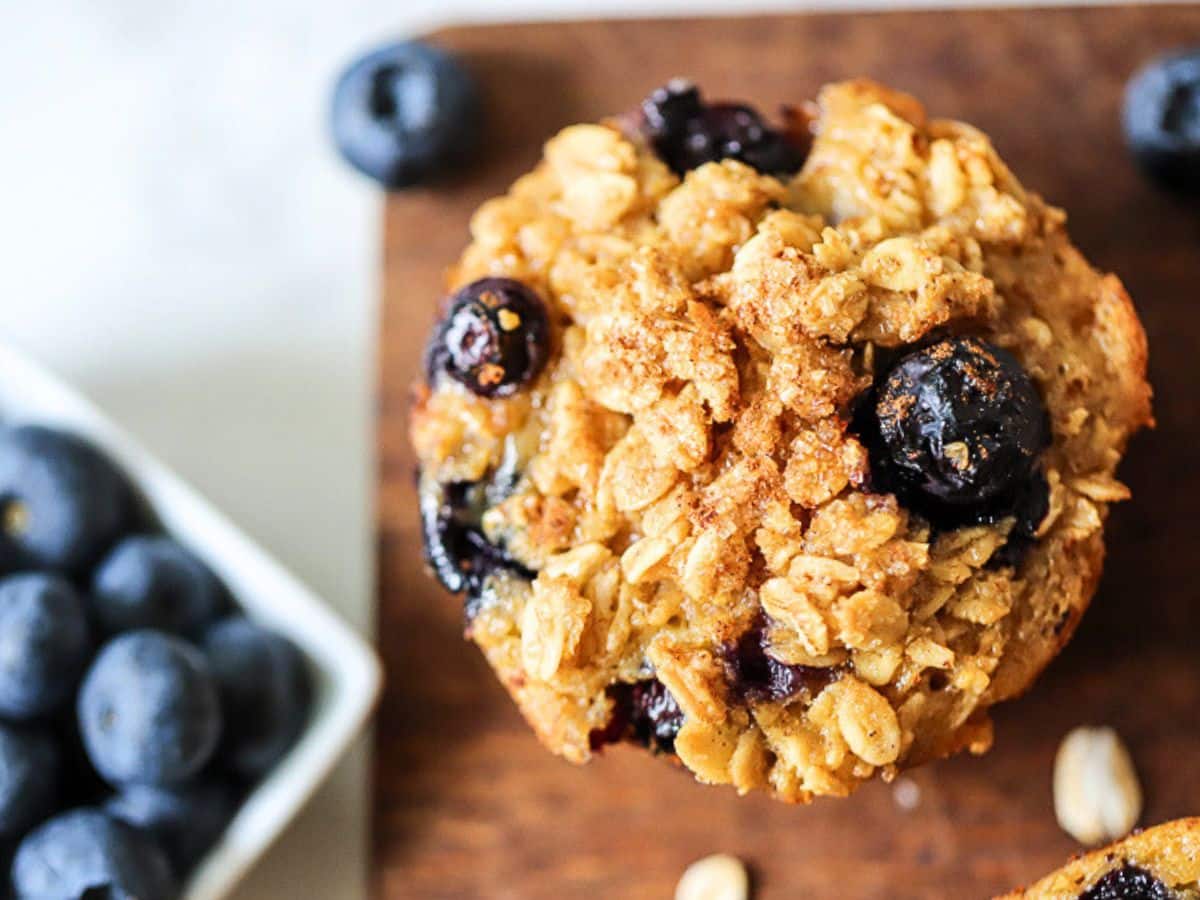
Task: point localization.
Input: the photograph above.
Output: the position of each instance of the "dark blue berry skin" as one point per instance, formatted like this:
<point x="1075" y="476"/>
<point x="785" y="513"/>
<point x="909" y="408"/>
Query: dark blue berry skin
<point x="62" y="502"/>
<point x="955" y="430"/>
<point x="755" y="676"/>
<point x="30" y="764"/>
<point x="405" y="113"/>
<point x="1129" y="882"/>
<point x="645" y="713"/>
<point x="265" y="691"/>
<point x="151" y="581"/>
<point x="44" y="644"/>
<point x="85" y="853"/>
<point x="456" y="548"/>
<point x="148" y="710"/>
<point x="494" y="338"/>
<point x="686" y="133"/>
<point x="186" y="822"/>
<point x="1162" y="120"/>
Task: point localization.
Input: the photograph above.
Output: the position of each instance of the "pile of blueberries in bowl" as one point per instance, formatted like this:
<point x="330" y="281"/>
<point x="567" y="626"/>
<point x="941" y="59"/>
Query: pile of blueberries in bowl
<point x="138" y="706"/>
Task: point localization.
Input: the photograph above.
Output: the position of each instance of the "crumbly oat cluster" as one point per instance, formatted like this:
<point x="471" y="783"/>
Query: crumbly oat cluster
<point x="672" y="532"/>
<point x="1161" y="863"/>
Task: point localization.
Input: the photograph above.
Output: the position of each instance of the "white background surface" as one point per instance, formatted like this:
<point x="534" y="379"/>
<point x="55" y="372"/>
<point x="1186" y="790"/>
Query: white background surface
<point x="180" y="241"/>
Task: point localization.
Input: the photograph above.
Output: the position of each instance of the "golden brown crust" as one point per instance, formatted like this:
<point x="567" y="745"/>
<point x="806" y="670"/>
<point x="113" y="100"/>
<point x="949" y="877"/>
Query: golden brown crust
<point x="686" y="460"/>
<point x="1170" y="852"/>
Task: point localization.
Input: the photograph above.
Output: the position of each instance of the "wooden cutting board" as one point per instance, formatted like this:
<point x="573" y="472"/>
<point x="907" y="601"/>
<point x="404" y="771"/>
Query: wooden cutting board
<point x="467" y="804"/>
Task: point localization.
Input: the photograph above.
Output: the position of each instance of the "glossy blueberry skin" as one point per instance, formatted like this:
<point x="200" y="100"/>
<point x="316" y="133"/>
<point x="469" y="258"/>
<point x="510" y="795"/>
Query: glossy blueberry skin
<point x="956" y="428"/>
<point x="149" y="711"/>
<point x="85" y="853"/>
<point x="152" y="581"/>
<point x="494" y="338"/>
<point x="1161" y="116"/>
<point x="1129" y="882"/>
<point x="44" y="644"/>
<point x="186" y="822"/>
<point x="30" y="764"/>
<point x="62" y="502"/>
<point x="686" y="133"/>
<point x="456" y="548"/>
<point x="265" y="691"/>
<point x="406" y="112"/>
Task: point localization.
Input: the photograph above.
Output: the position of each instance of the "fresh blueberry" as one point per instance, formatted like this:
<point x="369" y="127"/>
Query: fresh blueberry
<point x="405" y="113"/>
<point x="151" y="581"/>
<point x="62" y="503"/>
<point x="44" y="644"/>
<point x="265" y="691"/>
<point x="955" y="429"/>
<point x="686" y="133"/>
<point x="494" y="338"/>
<point x="85" y="854"/>
<point x="29" y="772"/>
<point x="1129" y="882"/>
<point x="185" y="822"/>
<point x="1162" y="119"/>
<point x="149" y="710"/>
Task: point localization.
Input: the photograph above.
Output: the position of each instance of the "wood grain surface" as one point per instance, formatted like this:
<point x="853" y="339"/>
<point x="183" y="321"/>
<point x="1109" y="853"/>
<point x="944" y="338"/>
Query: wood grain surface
<point x="467" y="804"/>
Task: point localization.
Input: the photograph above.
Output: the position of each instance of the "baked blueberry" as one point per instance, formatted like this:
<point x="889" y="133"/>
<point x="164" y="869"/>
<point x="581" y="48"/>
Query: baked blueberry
<point x="85" y="854"/>
<point x="644" y="712"/>
<point x="148" y="710"/>
<point x="686" y="133"/>
<point x="955" y="429"/>
<point x="44" y="644"/>
<point x="185" y="822"/>
<point x="152" y="581"/>
<point x="1129" y="882"/>
<point x="755" y="676"/>
<point x="405" y="113"/>
<point x="494" y="338"/>
<point x="265" y="692"/>
<point x="456" y="548"/>
<point x="29" y="774"/>
<point x="62" y="502"/>
<point x="1162" y="119"/>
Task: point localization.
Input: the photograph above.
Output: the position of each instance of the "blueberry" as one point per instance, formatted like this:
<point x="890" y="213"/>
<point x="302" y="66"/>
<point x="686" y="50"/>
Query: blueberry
<point x="405" y="113"/>
<point x="29" y="771"/>
<point x="154" y="582"/>
<point x="755" y="676"/>
<point x="265" y="691"/>
<point x="644" y="712"/>
<point x="494" y="338"/>
<point x="1162" y="119"/>
<point x="148" y="710"/>
<point x="1129" y="882"/>
<point x="687" y="133"/>
<point x="62" y="503"/>
<point x="44" y="644"/>
<point x="186" y="822"/>
<point x="456" y="548"/>
<point x="85" y="853"/>
<point x="955" y="429"/>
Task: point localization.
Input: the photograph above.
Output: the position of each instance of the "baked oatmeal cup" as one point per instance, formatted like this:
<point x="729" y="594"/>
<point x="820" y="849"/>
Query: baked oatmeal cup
<point x="1160" y="863"/>
<point x="783" y="453"/>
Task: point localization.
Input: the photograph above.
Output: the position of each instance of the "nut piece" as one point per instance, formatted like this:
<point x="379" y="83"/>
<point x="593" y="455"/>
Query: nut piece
<point x="716" y="877"/>
<point x="1097" y="797"/>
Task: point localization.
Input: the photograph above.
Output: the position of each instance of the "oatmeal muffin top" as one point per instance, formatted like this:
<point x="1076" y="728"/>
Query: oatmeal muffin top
<point x="1161" y="863"/>
<point x="783" y="452"/>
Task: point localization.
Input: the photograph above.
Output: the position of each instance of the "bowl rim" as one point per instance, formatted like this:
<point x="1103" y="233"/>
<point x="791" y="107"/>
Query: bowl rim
<point x="348" y="675"/>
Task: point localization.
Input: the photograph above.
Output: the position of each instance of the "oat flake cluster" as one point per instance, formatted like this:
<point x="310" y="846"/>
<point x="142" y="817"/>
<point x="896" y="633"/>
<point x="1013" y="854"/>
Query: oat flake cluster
<point x="681" y="481"/>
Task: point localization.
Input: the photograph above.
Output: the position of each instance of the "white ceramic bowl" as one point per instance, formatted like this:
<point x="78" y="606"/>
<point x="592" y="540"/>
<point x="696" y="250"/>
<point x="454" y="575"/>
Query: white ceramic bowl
<point x="346" y="671"/>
